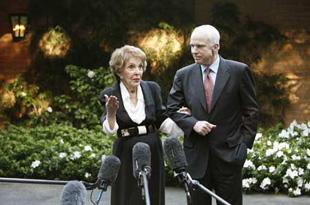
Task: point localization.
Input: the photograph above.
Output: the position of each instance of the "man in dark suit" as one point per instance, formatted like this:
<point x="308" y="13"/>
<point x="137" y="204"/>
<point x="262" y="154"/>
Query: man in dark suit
<point x="221" y="96"/>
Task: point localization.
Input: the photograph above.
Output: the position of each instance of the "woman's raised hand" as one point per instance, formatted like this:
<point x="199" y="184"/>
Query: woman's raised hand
<point x="112" y="104"/>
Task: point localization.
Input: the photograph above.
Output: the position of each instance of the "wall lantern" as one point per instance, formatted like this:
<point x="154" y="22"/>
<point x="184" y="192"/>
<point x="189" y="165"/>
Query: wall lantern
<point x="19" y="23"/>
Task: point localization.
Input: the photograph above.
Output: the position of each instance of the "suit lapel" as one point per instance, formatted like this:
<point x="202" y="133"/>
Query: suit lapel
<point x="221" y="80"/>
<point x="121" y="112"/>
<point x="197" y="84"/>
<point x="148" y="98"/>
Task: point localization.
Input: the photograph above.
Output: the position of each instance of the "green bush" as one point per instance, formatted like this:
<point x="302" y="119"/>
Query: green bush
<point x="52" y="152"/>
<point x="81" y="107"/>
<point x="21" y="101"/>
<point x="280" y="161"/>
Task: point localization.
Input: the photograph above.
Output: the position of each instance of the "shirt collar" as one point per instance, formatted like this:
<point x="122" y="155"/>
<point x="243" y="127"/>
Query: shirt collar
<point x="214" y="66"/>
<point x="125" y="93"/>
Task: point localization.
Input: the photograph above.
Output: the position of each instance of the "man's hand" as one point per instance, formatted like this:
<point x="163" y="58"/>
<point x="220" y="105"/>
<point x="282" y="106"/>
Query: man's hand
<point x="185" y="110"/>
<point x="203" y="127"/>
<point x="112" y="105"/>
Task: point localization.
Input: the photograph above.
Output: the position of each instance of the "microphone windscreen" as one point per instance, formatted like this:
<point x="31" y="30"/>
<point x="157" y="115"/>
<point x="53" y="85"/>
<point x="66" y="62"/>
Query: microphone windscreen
<point x="175" y="154"/>
<point x="141" y="158"/>
<point x="73" y="193"/>
<point x="109" y="169"/>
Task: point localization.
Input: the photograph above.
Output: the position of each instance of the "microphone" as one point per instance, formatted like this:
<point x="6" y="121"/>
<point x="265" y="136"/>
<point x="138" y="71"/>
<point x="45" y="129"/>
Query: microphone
<point x="177" y="161"/>
<point x="175" y="154"/>
<point x="141" y="164"/>
<point x="73" y="193"/>
<point x="108" y="172"/>
<point x="141" y="159"/>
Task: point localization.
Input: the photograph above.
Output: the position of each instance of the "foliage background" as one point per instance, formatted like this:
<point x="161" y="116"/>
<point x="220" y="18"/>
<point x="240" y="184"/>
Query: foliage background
<point x="51" y="113"/>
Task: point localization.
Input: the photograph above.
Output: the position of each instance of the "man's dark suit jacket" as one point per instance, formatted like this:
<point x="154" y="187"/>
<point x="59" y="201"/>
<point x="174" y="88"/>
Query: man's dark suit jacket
<point x="234" y="111"/>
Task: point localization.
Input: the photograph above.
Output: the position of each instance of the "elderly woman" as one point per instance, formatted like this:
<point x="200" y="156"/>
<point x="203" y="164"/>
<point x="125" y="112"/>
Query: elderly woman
<point x="135" y="112"/>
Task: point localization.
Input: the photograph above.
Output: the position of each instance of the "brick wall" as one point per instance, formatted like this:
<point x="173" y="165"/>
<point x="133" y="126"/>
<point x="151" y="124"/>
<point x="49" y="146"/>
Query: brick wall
<point x="14" y="56"/>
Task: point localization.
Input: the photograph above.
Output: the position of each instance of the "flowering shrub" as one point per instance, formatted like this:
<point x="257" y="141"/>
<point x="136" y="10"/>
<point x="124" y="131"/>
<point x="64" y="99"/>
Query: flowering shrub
<point x="81" y="108"/>
<point x="280" y="161"/>
<point x="20" y="100"/>
<point x="52" y="152"/>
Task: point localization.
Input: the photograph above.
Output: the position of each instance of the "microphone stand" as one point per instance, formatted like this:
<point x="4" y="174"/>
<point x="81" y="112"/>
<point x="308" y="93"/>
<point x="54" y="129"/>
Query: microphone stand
<point x="188" y="183"/>
<point x="143" y="183"/>
<point x="101" y="185"/>
<point x="182" y="178"/>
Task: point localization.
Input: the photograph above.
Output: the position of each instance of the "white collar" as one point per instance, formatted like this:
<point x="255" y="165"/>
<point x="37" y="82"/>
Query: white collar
<point x="125" y="93"/>
<point x="214" y="66"/>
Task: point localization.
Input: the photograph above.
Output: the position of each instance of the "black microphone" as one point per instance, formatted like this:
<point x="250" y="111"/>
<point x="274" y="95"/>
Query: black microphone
<point x="141" y="163"/>
<point x="175" y="154"/>
<point x="141" y="159"/>
<point x="108" y="172"/>
<point x="176" y="159"/>
<point x="73" y="193"/>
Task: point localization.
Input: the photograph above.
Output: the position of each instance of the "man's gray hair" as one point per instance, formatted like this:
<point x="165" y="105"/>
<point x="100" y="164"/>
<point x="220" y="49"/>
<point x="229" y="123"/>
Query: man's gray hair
<point x="212" y="34"/>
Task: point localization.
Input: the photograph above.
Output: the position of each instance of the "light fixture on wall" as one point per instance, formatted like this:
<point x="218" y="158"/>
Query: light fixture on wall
<point x="19" y="24"/>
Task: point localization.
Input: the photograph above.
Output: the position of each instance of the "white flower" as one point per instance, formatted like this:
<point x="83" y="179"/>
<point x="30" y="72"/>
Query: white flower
<point x="87" y="175"/>
<point x="284" y="134"/>
<point x="284" y="145"/>
<point x="62" y="155"/>
<point x="49" y="109"/>
<point x="293" y="166"/>
<point x="297" y="192"/>
<point x="265" y="183"/>
<point x="279" y="154"/>
<point x="35" y="164"/>
<point x="300" y="181"/>
<point x="87" y="148"/>
<point x="246" y="183"/>
<point x="300" y="171"/>
<point x="269" y="143"/>
<point x="294" y="157"/>
<point x="272" y="169"/>
<point x="258" y="135"/>
<point x="305" y="132"/>
<point x="91" y="73"/>
<point x="293" y="124"/>
<point x="93" y="155"/>
<point x="75" y="155"/>
<point x="249" y="164"/>
<point x="307" y="186"/>
<point x="308" y="166"/>
<point x="23" y="94"/>
<point x="262" y="167"/>
<point x="285" y="180"/>
<point x="269" y="152"/>
<point x="308" y="152"/>
<point x="61" y="141"/>
<point x="291" y="173"/>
